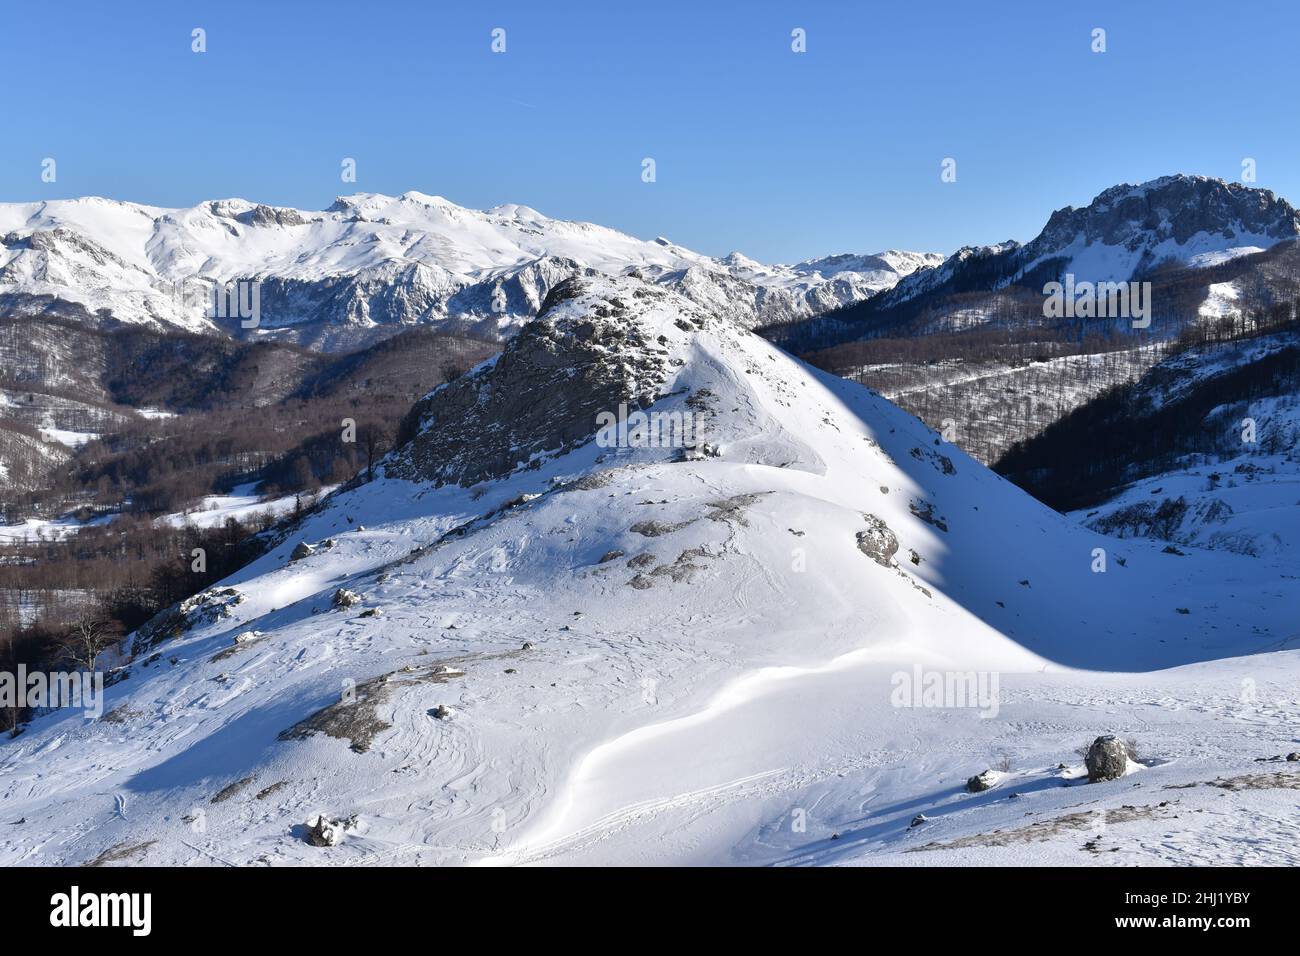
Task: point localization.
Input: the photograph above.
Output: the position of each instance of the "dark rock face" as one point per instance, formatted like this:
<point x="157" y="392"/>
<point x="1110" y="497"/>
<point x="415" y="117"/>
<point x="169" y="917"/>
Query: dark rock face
<point x="540" y="397"/>
<point x="1107" y="759"/>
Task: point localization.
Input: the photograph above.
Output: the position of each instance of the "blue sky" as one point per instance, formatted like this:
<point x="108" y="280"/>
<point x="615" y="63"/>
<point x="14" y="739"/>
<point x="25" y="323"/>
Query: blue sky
<point x="780" y="155"/>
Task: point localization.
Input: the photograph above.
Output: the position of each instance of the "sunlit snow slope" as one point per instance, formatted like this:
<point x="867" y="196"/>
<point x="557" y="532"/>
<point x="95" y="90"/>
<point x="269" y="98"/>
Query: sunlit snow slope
<point x="664" y="655"/>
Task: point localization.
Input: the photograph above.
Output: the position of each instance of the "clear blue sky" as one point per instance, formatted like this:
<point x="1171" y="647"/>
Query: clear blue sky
<point x="780" y="155"/>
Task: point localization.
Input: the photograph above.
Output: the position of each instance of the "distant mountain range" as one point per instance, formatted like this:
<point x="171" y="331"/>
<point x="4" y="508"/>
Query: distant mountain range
<point x="371" y="265"/>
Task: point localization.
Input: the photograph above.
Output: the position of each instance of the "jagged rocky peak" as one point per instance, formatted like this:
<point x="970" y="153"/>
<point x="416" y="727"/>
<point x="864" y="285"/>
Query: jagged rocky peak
<point x="1171" y="208"/>
<point x="261" y="215"/>
<point x="1124" y="233"/>
<point x="598" y="343"/>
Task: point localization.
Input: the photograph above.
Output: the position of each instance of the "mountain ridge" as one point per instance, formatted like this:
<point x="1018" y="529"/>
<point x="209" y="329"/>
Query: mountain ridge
<point x="369" y="264"/>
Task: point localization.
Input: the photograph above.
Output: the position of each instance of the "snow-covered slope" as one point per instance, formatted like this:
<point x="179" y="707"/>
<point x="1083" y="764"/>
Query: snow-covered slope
<point x="1240" y="491"/>
<point x="523" y="643"/>
<point x="371" y="263"/>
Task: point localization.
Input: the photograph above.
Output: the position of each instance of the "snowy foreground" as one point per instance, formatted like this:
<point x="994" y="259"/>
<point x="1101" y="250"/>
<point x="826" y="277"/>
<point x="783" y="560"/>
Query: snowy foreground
<point x="727" y="687"/>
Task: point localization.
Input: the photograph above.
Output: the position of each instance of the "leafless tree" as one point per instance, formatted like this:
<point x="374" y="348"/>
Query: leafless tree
<point x="88" y="637"/>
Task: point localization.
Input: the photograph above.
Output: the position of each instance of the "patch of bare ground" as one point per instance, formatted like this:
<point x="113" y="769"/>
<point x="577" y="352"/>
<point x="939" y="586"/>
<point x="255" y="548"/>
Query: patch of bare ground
<point x="733" y="508"/>
<point x="120" y="715"/>
<point x="355" y="717"/>
<point x="1278" y="780"/>
<point x="120" y="852"/>
<point x="1047" y="829"/>
<point x="225" y="793"/>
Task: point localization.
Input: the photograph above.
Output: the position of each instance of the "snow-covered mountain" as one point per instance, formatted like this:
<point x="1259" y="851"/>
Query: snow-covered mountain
<point x="370" y="264"/>
<point x="1129" y="230"/>
<point x="533" y="638"/>
<point x="1126" y="232"/>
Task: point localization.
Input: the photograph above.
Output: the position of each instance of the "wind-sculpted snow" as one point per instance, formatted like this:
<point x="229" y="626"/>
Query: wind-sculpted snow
<point x="608" y="652"/>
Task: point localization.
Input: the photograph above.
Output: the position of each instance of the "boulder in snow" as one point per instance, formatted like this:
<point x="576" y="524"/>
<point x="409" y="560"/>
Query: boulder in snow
<point x="345" y="598"/>
<point x="1107" y="759"/>
<point x="322" y="831"/>
<point x="983" y="781"/>
<point x="878" y="542"/>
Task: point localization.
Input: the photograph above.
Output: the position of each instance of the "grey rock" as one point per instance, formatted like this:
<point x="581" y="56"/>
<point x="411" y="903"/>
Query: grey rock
<point x="878" y="542"/>
<point x="1107" y="759"/>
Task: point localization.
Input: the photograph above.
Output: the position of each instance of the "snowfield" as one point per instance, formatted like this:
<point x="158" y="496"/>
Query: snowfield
<point x="619" y="655"/>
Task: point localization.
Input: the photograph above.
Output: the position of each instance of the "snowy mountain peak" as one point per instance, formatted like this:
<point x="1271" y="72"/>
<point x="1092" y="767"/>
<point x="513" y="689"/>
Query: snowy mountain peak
<point x="1131" y="229"/>
<point x="320" y="271"/>
<point x="1127" y="231"/>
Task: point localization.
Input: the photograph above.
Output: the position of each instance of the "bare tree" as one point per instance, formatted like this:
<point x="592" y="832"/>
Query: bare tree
<point x="375" y="438"/>
<point x="88" y="637"/>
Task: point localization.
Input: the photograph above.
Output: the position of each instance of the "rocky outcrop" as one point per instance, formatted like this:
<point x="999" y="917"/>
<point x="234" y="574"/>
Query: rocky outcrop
<point x="543" y="394"/>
